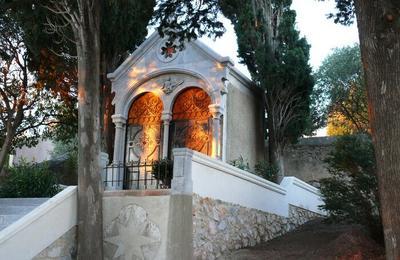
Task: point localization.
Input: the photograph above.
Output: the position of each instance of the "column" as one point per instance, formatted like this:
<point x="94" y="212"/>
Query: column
<point x="119" y="146"/>
<point x="216" y="113"/>
<point x="114" y="174"/>
<point x="166" y="118"/>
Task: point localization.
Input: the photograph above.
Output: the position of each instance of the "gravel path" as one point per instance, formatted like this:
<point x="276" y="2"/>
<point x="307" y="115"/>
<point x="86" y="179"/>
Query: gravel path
<point x="316" y="240"/>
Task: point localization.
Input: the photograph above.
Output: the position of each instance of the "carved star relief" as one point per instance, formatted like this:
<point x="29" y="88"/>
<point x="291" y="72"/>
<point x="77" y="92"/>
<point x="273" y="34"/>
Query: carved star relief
<point x="131" y="234"/>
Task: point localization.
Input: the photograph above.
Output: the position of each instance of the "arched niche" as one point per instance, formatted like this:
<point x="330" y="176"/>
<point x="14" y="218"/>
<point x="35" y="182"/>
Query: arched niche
<point x="143" y="137"/>
<point x="154" y="82"/>
<point x="191" y="121"/>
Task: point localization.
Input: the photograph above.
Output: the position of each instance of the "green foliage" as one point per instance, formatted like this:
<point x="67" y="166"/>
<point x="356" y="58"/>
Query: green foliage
<point x="163" y="171"/>
<point x="340" y="94"/>
<point x="130" y="19"/>
<point x="29" y="180"/>
<point x="25" y="106"/>
<point x="240" y="163"/>
<point x="52" y="54"/>
<point x="345" y="12"/>
<point x="351" y="194"/>
<point x="262" y="169"/>
<point x="188" y="20"/>
<point x="277" y="59"/>
<point x="266" y="171"/>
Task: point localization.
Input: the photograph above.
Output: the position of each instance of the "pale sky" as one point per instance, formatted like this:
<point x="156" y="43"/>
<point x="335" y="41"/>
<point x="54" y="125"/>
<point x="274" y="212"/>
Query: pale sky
<point x="322" y="33"/>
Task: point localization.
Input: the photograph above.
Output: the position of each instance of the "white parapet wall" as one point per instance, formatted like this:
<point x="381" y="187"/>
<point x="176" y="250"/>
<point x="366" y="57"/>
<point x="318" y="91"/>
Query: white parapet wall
<point x="197" y="173"/>
<point x="34" y="232"/>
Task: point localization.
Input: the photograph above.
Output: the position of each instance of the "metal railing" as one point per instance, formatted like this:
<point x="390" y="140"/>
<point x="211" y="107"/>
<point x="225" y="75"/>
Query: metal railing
<point x="139" y="175"/>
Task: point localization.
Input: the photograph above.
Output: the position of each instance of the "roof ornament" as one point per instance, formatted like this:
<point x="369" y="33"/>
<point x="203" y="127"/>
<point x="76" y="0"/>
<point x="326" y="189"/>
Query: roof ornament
<point x="168" y="50"/>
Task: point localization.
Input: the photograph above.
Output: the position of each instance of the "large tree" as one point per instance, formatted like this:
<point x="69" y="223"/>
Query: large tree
<point x="378" y="24"/>
<point x="51" y="59"/>
<point x="83" y="18"/>
<point x="269" y="45"/>
<point x="53" y="55"/>
<point x="277" y="59"/>
<point x="339" y="95"/>
<point x="25" y="105"/>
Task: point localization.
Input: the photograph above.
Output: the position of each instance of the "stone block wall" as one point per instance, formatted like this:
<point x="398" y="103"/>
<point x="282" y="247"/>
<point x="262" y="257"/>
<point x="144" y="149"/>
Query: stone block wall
<point x="220" y="227"/>
<point x="305" y="160"/>
<point x="63" y="248"/>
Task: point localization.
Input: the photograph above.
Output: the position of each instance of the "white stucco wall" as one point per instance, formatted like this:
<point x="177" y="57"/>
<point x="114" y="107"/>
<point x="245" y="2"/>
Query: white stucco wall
<point x="34" y="232"/>
<point x="38" y="153"/>
<point x="227" y="183"/>
<point x="244" y="120"/>
<point x="208" y="177"/>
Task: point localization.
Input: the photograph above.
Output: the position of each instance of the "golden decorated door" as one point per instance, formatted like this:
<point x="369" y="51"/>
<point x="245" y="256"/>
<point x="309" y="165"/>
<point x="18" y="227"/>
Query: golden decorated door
<point x="191" y="121"/>
<point x="144" y="129"/>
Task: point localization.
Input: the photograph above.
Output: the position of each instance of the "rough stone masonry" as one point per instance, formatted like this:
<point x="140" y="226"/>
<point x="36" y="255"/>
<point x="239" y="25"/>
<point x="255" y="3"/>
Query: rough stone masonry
<point x="220" y="227"/>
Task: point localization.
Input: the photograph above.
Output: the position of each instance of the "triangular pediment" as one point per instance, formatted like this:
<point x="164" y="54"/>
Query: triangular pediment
<point x="153" y="55"/>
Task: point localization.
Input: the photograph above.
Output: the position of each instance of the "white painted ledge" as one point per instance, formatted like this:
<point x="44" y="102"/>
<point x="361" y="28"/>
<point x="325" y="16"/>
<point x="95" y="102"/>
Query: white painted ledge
<point x="28" y="236"/>
<point x="236" y="172"/>
<point x="197" y="173"/>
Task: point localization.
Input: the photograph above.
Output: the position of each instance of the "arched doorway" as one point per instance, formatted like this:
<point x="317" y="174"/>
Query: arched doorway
<point x="191" y="121"/>
<point x="144" y="129"/>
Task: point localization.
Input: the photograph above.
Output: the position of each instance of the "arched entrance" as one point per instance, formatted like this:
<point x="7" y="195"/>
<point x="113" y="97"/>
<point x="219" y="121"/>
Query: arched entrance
<point x="191" y="121"/>
<point x="144" y="129"/>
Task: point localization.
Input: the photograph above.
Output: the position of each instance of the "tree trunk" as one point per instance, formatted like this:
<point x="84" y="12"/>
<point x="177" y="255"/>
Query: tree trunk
<point x="5" y="148"/>
<point x="12" y="126"/>
<point x="107" y="124"/>
<point x="90" y="188"/>
<point x="275" y="152"/>
<point x="106" y="110"/>
<point x="275" y="149"/>
<point x="379" y="32"/>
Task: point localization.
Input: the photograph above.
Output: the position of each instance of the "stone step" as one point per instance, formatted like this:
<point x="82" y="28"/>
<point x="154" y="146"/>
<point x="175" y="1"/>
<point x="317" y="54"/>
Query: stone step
<point x="22" y="201"/>
<point x="16" y="210"/>
<point x="12" y="209"/>
<point x="6" y="220"/>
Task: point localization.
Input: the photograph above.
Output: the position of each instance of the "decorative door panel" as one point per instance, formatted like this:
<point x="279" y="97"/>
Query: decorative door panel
<point x="191" y="121"/>
<point x="143" y="142"/>
<point x="195" y="135"/>
<point x="144" y="129"/>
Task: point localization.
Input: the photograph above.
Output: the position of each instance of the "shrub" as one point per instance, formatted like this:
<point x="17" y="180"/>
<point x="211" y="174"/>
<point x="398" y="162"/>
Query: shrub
<point x="240" y="163"/>
<point x="163" y="171"/>
<point x="266" y="171"/>
<point x="29" y="180"/>
<point x="351" y="194"/>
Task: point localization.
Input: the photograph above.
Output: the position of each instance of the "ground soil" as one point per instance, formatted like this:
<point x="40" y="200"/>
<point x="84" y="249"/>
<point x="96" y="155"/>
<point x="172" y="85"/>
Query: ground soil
<point x="317" y="240"/>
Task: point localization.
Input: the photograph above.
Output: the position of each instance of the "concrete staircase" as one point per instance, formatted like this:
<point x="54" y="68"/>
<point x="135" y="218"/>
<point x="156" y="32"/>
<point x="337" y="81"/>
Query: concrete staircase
<point x="12" y="209"/>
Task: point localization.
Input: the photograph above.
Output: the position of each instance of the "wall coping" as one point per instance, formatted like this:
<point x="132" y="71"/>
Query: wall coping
<point x="35" y="214"/>
<point x="299" y="183"/>
<point x="231" y="170"/>
<point x="136" y="193"/>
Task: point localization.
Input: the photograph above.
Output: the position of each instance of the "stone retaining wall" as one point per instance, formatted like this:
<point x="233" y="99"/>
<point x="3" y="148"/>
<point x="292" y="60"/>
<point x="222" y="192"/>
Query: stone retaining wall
<point x="305" y="160"/>
<point x="220" y="227"/>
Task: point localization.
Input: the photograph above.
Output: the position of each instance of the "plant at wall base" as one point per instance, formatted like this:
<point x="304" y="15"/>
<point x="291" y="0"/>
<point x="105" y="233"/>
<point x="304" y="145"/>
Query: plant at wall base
<point x="29" y="180"/>
<point x="162" y="170"/>
<point x="240" y="163"/>
<point x="351" y="194"/>
<point x="266" y="171"/>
